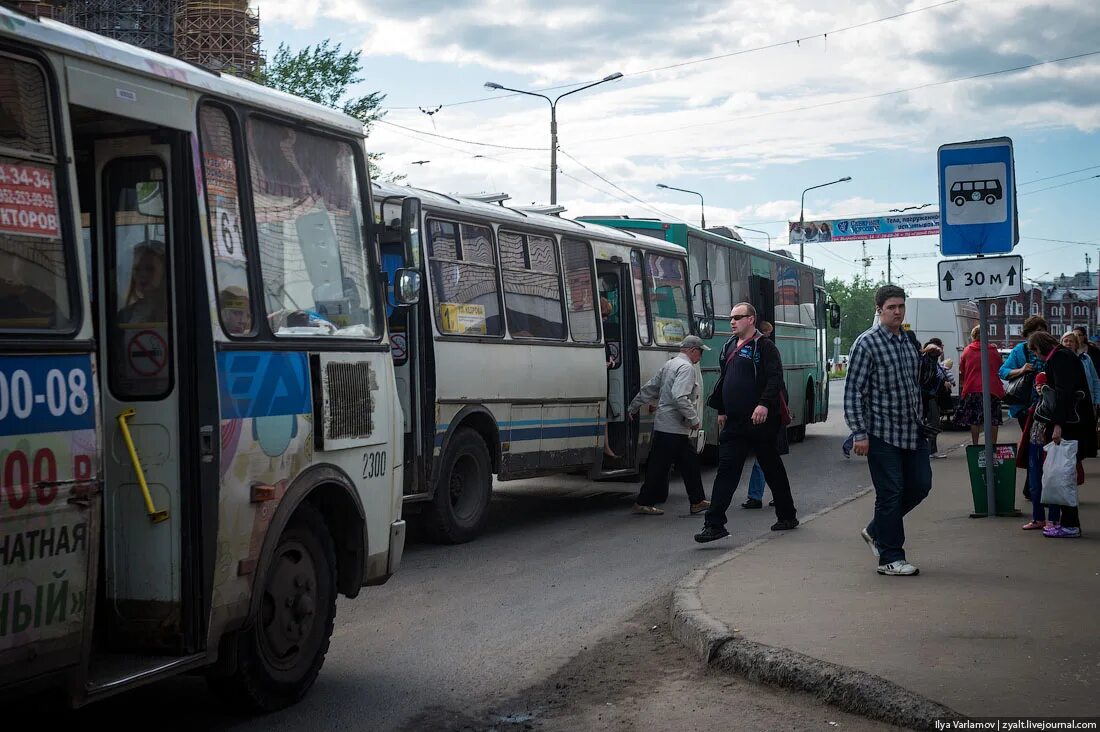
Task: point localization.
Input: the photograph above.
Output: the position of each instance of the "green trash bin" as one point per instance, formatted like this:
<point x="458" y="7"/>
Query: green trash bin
<point x="1004" y="475"/>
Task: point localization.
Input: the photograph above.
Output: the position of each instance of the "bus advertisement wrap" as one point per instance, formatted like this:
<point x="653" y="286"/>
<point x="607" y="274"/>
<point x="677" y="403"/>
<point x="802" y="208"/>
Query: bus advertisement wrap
<point x="875" y="227"/>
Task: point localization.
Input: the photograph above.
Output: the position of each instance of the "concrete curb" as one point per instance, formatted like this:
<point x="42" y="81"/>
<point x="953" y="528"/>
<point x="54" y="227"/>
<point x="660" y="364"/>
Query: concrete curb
<point x="851" y="690"/>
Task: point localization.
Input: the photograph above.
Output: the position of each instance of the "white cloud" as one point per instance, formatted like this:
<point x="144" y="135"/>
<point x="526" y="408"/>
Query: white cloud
<point x="727" y="126"/>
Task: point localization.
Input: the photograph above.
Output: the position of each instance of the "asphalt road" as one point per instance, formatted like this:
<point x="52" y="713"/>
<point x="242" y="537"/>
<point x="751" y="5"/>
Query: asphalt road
<point x="562" y="565"/>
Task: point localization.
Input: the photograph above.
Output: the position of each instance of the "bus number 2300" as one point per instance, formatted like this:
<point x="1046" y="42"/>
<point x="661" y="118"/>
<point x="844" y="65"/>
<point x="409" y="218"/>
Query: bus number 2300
<point x="374" y="464"/>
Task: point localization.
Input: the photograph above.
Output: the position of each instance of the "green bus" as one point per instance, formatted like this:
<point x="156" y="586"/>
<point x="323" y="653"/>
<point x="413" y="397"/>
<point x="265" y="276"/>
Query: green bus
<point x="787" y="293"/>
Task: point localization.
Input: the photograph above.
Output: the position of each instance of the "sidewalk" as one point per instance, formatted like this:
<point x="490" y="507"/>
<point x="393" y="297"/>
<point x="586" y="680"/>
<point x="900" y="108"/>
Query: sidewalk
<point x="1000" y="622"/>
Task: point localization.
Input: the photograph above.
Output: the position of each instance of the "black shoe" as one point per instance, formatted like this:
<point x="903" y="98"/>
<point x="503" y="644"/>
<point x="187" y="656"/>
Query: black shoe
<point x="784" y="524"/>
<point x="752" y="503"/>
<point x="771" y="502"/>
<point x="710" y="533"/>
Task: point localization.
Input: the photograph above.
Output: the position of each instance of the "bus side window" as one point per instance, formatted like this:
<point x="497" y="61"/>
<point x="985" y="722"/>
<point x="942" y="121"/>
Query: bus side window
<point x="580" y="290"/>
<point x="36" y="271"/>
<point x="464" y="279"/>
<point x="236" y="303"/>
<point x="641" y="308"/>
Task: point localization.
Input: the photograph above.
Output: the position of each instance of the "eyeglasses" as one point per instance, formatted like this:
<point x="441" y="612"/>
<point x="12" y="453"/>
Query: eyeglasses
<point x="735" y="318"/>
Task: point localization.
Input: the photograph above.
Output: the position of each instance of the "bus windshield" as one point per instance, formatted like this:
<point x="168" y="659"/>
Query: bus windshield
<point x="668" y="301"/>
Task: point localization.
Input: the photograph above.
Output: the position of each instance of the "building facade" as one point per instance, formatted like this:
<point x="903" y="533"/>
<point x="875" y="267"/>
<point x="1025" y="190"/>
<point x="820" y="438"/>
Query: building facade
<point x="1065" y="302"/>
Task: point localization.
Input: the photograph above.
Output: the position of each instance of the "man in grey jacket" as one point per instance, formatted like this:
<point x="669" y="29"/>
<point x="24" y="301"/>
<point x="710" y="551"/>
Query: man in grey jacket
<point x="676" y="389"/>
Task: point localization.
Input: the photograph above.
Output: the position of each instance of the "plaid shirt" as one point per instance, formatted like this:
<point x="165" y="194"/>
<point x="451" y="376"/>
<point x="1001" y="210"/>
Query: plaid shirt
<point x="881" y="395"/>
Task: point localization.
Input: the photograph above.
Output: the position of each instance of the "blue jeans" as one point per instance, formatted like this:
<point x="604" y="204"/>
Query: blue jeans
<point x="756" y="482"/>
<point x="902" y="479"/>
<point x="1035" y="455"/>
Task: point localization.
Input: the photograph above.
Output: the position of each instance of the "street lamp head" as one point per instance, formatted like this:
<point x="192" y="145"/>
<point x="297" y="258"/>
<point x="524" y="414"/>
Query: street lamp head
<point x="661" y="185"/>
<point x="492" y="85"/>
<point x="612" y="77"/>
<point x="845" y="179"/>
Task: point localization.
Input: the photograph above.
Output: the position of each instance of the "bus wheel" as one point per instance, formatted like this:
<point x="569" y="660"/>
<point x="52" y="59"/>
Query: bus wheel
<point x="275" y="660"/>
<point x="798" y="434"/>
<point x="460" y="506"/>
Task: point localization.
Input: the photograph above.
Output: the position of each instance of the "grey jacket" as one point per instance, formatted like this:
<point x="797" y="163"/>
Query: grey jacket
<point x="675" y="388"/>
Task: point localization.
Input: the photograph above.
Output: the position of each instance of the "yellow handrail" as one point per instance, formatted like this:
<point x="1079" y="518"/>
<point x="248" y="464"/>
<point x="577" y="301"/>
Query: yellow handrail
<point x="154" y="515"/>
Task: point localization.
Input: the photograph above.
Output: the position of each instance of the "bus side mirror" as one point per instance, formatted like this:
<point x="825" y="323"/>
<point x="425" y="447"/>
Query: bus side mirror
<point x="704" y="327"/>
<point x="834" y="315"/>
<point x="706" y="295"/>
<point x="406" y="286"/>
<point x="410" y="230"/>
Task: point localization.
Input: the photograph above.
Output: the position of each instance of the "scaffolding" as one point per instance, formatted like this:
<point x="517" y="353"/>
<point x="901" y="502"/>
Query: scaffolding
<point x="39" y="8"/>
<point x="223" y="35"/>
<point x="144" y="23"/>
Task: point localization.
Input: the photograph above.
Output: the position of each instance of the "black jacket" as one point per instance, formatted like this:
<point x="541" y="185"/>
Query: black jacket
<point x="769" y="375"/>
<point x="1065" y="376"/>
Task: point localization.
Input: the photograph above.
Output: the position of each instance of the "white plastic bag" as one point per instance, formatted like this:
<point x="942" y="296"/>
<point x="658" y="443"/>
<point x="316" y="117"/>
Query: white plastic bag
<point x="1060" y="474"/>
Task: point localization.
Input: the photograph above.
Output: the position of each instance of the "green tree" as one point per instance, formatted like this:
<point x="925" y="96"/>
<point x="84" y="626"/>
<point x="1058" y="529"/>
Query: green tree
<point x="857" y="307"/>
<point x="322" y="74"/>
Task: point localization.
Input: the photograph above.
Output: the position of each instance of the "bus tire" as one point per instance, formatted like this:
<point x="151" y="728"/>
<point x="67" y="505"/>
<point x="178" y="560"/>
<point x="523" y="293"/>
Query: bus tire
<point x="273" y="661"/>
<point x="798" y="434"/>
<point x="460" y="506"/>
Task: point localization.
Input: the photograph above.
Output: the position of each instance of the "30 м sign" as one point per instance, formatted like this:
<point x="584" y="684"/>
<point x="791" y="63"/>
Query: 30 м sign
<point x="980" y="278"/>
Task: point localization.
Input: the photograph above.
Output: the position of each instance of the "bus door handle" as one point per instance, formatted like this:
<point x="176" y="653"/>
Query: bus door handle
<point x="206" y="443"/>
<point x="154" y="515"/>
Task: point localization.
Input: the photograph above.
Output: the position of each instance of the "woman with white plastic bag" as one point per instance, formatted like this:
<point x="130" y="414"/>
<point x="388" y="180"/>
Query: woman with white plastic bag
<point x="1064" y="412"/>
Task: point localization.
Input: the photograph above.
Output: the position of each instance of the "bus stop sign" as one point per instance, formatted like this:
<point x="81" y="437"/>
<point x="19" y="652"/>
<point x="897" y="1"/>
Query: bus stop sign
<point x="977" y="198"/>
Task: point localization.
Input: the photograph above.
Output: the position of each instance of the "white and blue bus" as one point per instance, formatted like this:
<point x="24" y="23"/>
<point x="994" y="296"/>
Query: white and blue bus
<point x="506" y="366"/>
<point x="200" y="437"/>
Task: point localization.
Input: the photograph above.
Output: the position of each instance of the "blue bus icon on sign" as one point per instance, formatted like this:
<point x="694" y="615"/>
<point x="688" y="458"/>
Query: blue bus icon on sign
<point x="977" y="198"/>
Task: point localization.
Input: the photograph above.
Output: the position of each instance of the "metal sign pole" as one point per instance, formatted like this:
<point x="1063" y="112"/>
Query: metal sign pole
<point x="987" y="407"/>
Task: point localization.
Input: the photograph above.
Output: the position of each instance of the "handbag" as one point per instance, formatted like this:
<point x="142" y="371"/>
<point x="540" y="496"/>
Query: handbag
<point x="1044" y="410"/>
<point x="1060" y="473"/>
<point x="784" y="411"/>
<point x="1019" y="390"/>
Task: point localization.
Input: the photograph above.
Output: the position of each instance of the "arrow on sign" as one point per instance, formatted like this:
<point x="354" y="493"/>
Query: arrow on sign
<point x="1011" y="276"/>
<point x="948" y="279"/>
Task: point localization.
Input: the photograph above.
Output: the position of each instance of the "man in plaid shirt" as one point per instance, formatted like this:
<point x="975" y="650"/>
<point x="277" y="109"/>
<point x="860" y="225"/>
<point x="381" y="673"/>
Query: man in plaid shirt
<point x="882" y="406"/>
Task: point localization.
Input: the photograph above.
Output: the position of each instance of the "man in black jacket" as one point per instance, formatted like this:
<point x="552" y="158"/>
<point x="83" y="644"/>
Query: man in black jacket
<point x="747" y="398"/>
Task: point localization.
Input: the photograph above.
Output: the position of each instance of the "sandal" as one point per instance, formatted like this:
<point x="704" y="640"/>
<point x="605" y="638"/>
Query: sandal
<point x="1034" y="525"/>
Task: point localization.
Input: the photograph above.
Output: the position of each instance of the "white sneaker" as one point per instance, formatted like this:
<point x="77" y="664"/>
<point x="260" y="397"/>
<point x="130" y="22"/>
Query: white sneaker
<point x="900" y="568"/>
<point x="870" y="542"/>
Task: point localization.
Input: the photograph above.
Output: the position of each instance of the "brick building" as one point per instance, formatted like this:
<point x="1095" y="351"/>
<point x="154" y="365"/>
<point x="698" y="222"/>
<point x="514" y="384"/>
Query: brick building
<point x="1065" y="302"/>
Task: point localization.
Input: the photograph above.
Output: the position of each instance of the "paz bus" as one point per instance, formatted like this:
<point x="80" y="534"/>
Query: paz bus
<point x="787" y="293"/>
<point x="506" y="366"/>
<point x="200" y="440"/>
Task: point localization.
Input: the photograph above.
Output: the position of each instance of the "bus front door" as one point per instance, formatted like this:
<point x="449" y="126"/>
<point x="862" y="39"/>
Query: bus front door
<point x="620" y="451"/>
<point x="143" y="382"/>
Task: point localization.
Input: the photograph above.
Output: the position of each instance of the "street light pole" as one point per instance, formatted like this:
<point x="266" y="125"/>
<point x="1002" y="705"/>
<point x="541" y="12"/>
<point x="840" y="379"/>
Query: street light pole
<point x="553" y="122"/>
<point x="802" y="212"/>
<point x="758" y="231"/>
<point x="702" y="211"/>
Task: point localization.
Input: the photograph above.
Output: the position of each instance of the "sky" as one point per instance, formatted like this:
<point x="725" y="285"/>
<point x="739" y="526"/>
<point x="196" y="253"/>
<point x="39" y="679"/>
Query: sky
<point x="747" y="103"/>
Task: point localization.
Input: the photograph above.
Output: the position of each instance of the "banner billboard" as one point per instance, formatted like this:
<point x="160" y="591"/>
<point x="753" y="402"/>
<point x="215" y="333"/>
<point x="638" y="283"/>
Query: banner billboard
<point x="873" y="227"/>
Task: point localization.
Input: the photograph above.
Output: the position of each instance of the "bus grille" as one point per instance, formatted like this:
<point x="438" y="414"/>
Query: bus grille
<point x="347" y="397"/>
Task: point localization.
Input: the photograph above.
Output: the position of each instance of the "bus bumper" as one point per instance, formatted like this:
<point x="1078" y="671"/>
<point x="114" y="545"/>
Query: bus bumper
<point x="393" y="556"/>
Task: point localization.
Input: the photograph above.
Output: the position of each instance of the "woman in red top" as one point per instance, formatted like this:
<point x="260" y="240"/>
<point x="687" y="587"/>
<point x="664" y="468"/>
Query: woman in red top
<point x="969" y="413"/>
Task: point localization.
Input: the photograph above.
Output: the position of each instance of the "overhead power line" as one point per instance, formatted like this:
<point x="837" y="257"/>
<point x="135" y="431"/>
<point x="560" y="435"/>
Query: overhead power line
<point x="459" y="139"/>
<point x="846" y="100"/>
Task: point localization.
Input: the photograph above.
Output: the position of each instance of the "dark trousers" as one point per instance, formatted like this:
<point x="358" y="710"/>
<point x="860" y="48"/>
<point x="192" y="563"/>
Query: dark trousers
<point x="1022" y="419"/>
<point x="902" y="479"/>
<point x="670" y="449"/>
<point x="733" y="450"/>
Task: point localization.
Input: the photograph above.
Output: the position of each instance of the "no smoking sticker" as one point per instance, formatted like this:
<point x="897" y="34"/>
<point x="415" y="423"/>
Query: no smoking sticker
<point x="147" y="353"/>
